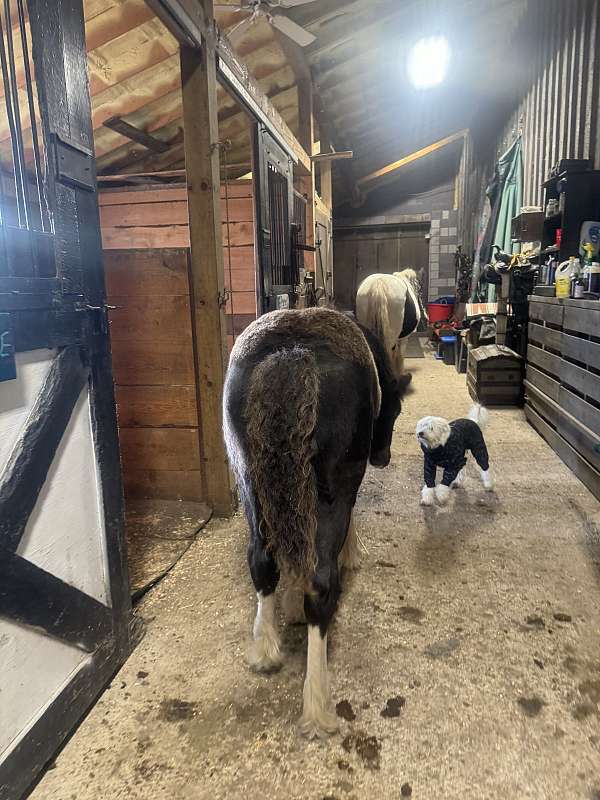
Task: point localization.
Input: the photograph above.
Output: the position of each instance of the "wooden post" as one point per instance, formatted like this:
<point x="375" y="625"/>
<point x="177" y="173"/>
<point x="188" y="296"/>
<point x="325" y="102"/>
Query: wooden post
<point x="199" y="88"/>
<point x="305" y="114"/>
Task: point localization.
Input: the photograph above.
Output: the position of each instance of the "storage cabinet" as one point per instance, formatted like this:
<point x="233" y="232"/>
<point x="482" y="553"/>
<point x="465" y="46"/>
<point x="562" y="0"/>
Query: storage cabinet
<point x="580" y="202"/>
<point x="562" y="382"/>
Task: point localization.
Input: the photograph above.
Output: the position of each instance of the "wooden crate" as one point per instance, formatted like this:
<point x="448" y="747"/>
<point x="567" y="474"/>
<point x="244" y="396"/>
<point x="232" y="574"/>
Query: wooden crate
<point x="562" y="387"/>
<point x="495" y="375"/>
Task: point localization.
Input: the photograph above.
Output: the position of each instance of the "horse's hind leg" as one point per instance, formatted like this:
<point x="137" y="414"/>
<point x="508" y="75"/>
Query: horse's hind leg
<point x="400" y="353"/>
<point x="318" y="717"/>
<point x="265" y="651"/>
<point x="350" y="555"/>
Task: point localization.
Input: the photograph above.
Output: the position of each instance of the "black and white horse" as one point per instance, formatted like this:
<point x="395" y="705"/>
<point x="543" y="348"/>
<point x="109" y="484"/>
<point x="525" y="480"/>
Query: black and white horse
<point x="391" y="307"/>
<point x="309" y="399"/>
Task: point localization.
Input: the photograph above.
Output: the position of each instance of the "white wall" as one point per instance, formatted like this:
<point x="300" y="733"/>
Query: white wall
<point x="65" y="536"/>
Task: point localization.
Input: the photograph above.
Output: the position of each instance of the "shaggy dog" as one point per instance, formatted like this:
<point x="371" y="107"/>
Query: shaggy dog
<point x="445" y="445"/>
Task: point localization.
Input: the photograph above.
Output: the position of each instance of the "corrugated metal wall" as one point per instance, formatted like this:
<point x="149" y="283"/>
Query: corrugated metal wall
<point x="558" y="112"/>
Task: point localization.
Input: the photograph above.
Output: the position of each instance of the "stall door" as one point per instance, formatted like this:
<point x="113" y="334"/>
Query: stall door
<point x="278" y="267"/>
<point x="64" y="600"/>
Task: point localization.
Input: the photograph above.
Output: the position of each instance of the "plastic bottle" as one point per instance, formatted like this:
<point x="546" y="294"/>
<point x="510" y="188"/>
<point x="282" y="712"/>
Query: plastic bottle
<point x="593" y="283"/>
<point x="578" y="288"/>
<point x="563" y="276"/>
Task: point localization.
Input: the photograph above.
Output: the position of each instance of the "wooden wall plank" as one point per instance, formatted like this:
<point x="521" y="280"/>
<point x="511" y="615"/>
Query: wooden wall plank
<point x="134" y="273"/>
<point x="243" y="303"/>
<point x="242" y="280"/>
<point x="157" y="406"/>
<point x="145" y="238"/>
<point x="541" y="381"/>
<point x="151" y="318"/>
<point x="171" y="212"/>
<point x="164" y="484"/>
<point x="160" y="448"/>
<point x="169" y="236"/>
<point x="110" y="197"/>
<point x="152" y="363"/>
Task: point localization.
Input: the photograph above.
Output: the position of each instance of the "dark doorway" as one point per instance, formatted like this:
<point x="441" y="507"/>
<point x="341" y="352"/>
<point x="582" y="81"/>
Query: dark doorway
<point x="361" y="251"/>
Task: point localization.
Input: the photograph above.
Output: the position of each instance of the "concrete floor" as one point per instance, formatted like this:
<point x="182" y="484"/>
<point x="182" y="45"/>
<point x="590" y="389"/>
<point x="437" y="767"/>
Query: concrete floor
<point x="465" y="654"/>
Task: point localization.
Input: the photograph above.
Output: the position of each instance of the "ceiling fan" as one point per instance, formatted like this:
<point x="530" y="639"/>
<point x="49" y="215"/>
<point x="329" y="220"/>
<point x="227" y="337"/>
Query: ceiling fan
<point x="268" y="9"/>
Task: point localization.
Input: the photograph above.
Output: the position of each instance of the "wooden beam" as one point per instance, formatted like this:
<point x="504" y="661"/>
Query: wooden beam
<point x="234" y="75"/>
<point x="320" y="158"/>
<point x="326" y="184"/>
<point x="193" y="27"/>
<point x="389" y="169"/>
<point x="305" y="114"/>
<point x="200" y="109"/>
<point x="136" y="135"/>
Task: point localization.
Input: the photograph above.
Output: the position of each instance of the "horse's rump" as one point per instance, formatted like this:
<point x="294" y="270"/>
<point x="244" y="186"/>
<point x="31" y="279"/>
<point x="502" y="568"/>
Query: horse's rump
<point x="271" y="409"/>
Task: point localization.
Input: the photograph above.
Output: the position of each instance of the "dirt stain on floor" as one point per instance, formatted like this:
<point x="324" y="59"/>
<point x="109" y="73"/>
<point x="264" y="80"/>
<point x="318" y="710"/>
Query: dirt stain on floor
<point x="175" y="710"/>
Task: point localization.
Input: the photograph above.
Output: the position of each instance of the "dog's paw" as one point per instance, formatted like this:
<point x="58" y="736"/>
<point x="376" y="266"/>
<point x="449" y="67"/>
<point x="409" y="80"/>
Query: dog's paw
<point x="442" y="493"/>
<point x="427" y="496"/>
<point x="487" y="479"/>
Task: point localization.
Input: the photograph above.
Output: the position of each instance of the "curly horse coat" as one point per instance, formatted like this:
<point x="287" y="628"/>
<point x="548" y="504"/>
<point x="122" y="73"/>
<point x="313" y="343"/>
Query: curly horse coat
<point x="309" y="398"/>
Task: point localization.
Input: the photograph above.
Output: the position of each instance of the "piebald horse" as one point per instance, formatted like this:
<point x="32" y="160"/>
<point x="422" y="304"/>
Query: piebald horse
<point x="299" y="455"/>
<point x="390" y="306"/>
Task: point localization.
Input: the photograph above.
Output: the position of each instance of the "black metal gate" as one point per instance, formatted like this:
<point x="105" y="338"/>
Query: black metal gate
<point x="278" y="267"/>
<point x="52" y="303"/>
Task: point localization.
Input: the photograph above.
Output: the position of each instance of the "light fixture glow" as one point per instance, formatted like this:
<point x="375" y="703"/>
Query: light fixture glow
<point x="428" y="62"/>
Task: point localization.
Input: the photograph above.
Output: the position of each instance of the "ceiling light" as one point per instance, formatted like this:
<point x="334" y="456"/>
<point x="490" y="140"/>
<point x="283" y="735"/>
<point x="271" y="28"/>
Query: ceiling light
<point x="428" y="62"/>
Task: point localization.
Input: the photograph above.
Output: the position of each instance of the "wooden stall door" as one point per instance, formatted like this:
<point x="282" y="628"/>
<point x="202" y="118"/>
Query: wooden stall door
<point x="274" y="192"/>
<point x="154" y="372"/>
<point x="360" y="252"/>
<point x="64" y="595"/>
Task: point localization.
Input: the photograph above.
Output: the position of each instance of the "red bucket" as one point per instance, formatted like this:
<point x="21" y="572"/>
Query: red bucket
<point x="440" y="310"/>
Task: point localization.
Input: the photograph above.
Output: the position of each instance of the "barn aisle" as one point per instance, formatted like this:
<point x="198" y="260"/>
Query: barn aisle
<point x="465" y="655"/>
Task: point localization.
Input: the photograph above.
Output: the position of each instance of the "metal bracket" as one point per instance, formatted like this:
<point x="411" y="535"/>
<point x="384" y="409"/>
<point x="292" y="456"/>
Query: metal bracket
<point x="223" y="298"/>
<point x="73" y="164"/>
<point x="100" y="323"/>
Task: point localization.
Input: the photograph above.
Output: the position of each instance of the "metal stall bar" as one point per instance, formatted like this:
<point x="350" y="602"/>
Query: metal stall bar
<point x="18" y="146"/>
<point x="39" y="178"/>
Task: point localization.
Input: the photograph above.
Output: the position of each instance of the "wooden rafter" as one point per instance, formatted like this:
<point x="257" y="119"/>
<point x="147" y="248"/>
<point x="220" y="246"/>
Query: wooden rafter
<point x="136" y="135"/>
<point x="365" y="184"/>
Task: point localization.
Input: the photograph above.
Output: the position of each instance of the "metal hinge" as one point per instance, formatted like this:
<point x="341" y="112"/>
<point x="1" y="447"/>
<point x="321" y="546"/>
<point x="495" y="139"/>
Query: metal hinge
<point x="100" y="317"/>
<point x="73" y="163"/>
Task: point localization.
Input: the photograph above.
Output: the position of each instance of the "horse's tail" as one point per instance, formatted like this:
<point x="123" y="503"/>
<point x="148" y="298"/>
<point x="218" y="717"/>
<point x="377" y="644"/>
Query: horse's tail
<point x="281" y="420"/>
<point x="378" y="318"/>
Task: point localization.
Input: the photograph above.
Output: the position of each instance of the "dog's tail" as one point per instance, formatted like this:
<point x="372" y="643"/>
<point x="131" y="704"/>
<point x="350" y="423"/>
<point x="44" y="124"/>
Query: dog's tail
<point x="479" y="415"/>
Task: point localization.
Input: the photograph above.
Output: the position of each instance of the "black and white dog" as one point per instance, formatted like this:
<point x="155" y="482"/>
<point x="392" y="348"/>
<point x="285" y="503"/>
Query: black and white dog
<point x="445" y="445"/>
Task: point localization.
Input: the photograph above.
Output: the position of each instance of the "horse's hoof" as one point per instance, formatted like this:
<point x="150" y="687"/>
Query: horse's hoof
<point x="321" y="727"/>
<point x="264" y="656"/>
